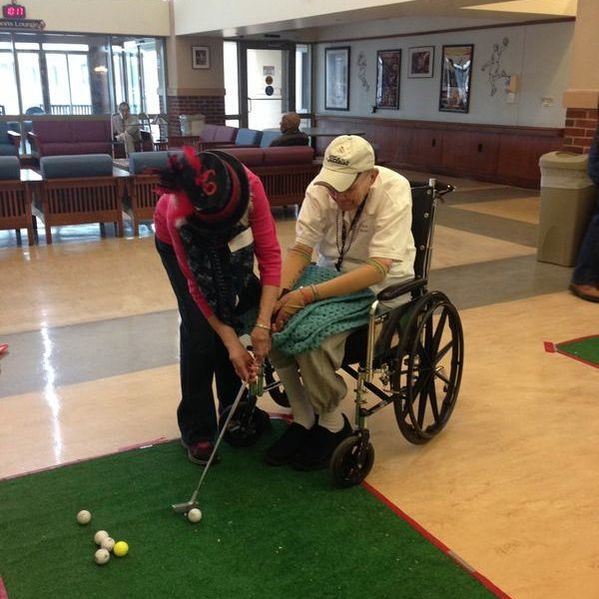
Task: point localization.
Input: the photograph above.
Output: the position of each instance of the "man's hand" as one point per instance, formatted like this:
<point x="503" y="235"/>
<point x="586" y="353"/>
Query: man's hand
<point x="260" y="344"/>
<point x="286" y="307"/>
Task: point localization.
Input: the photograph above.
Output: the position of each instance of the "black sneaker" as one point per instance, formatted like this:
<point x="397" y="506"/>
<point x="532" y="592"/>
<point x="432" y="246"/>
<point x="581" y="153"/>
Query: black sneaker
<point x="282" y="450"/>
<point x="317" y="451"/>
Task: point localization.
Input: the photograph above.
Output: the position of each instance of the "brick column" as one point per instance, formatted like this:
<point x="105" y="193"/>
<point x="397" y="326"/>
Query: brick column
<point x="212" y="107"/>
<point x="581" y="124"/>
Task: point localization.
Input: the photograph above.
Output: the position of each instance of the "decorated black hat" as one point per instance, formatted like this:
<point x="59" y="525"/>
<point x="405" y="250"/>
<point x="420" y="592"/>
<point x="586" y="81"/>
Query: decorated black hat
<point x="215" y="183"/>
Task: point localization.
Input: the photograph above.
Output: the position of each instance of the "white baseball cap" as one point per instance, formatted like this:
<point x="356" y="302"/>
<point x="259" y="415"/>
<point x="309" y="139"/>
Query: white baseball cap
<point x="344" y="159"/>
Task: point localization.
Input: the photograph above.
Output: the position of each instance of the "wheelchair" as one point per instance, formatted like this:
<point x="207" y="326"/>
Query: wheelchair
<point x="410" y="356"/>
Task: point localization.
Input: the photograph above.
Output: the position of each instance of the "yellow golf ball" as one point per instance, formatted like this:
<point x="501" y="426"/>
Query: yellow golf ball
<point x="120" y="549"/>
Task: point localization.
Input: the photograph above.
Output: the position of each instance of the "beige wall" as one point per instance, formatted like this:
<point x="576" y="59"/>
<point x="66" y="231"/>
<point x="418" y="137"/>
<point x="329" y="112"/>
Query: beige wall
<point x="192" y="16"/>
<point x="183" y="80"/>
<point x="583" y="91"/>
<point x="144" y="17"/>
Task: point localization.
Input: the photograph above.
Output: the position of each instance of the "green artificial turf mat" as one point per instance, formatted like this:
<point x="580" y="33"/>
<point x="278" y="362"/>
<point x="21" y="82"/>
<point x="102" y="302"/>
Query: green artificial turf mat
<point x="266" y="533"/>
<point x="586" y="349"/>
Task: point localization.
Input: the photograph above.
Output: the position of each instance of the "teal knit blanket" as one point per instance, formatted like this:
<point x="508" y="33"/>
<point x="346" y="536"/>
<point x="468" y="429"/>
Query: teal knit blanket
<point x="307" y="328"/>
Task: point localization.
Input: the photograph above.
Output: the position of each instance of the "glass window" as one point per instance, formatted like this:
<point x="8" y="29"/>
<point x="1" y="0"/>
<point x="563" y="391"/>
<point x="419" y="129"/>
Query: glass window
<point x="231" y="78"/>
<point x="151" y="85"/>
<point x="79" y="83"/>
<point x="60" y="97"/>
<point x="66" y="47"/>
<point x="303" y="78"/>
<point x="30" y="81"/>
<point x="27" y="46"/>
<point x="9" y="98"/>
<point x="119" y="75"/>
<point x="132" y="74"/>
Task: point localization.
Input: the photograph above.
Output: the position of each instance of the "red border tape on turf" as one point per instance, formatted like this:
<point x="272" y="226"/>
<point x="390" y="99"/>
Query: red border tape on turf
<point x="437" y="543"/>
<point x="3" y="591"/>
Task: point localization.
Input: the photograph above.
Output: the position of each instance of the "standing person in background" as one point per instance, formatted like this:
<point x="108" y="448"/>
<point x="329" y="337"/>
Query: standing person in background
<point x="585" y="279"/>
<point x="211" y="222"/>
<point x="125" y="127"/>
<point x="291" y="135"/>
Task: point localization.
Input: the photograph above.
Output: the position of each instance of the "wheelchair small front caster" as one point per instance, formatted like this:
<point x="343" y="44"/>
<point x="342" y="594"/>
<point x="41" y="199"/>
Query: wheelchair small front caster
<point x="247" y="425"/>
<point x="352" y="460"/>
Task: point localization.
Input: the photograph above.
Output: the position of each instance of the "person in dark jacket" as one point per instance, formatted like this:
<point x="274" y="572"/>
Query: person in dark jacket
<point x="291" y="135"/>
<point x="585" y="279"/>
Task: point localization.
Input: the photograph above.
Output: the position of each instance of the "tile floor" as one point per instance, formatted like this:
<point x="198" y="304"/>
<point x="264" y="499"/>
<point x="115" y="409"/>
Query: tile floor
<point x="511" y="485"/>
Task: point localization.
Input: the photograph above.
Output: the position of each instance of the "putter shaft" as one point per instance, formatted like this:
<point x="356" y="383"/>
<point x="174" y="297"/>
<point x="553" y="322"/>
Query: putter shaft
<point x="185" y="507"/>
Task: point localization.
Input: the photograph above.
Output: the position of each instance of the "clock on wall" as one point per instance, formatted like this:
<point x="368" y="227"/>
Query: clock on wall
<point x="14" y="11"/>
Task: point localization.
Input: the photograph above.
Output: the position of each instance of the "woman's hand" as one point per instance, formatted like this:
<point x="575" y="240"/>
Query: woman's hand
<point x="261" y="344"/>
<point x="286" y="307"/>
<point x="243" y="362"/>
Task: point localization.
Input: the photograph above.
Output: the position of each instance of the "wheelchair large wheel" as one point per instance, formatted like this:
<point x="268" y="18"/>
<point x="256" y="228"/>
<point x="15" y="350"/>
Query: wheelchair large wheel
<point x="276" y="391"/>
<point x="429" y="368"/>
<point x="352" y="461"/>
<point x="247" y="424"/>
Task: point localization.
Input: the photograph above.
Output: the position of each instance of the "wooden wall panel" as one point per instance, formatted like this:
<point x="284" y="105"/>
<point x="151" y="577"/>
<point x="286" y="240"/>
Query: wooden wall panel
<point x="495" y="153"/>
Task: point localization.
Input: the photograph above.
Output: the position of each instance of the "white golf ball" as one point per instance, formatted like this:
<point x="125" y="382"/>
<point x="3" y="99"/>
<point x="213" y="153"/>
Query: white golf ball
<point x="84" y="517"/>
<point x="101" y="556"/>
<point x="107" y="543"/>
<point x="100" y="536"/>
<point x="194" y="515"/>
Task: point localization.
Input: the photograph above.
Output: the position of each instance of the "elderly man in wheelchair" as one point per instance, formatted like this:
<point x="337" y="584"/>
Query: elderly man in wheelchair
<point x="364" y="302"/>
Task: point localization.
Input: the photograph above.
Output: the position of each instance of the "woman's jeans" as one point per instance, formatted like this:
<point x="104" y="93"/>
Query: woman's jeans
<point x="587" y="265"/>
<point x="202" y="357"/>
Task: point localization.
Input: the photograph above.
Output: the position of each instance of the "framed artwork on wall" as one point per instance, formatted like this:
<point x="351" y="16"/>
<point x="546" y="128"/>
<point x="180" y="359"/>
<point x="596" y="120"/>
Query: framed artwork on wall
<point x="200" y="57"/>
<point x="336" y="78"/>
<point x="421" y="62"/>
<point x="456" y="76"/>
<point x="388" y="75"/>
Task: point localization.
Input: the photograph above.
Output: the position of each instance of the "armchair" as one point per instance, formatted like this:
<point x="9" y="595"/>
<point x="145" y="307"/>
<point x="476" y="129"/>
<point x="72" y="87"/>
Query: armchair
<point x="9" y="141"/>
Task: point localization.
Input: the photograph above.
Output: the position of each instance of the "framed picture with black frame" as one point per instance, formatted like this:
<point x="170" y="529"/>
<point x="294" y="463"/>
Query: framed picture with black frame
<point x="456" y="77"/>
<point x="336" y="78"/>
<point x="200" y="57"/>
<point x="388" y="76"/>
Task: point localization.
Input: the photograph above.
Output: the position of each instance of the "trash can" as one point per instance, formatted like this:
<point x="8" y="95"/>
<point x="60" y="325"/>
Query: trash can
<point x="192" y="124"/>
<point x="567" y="202"/>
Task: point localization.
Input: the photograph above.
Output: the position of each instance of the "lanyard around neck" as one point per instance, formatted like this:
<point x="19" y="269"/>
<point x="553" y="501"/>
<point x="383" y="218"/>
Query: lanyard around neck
<point x="347" y="235"/>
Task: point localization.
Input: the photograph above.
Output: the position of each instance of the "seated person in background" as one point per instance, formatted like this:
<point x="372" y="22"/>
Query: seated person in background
<point x="125" y="127"/>
<point x="291" y="135"/>
<point x="358" y="216"/>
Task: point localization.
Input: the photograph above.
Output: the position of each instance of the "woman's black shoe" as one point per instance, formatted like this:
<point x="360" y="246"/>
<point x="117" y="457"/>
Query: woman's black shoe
<point x="282" y="450"/>
<point x="316" y="452"/>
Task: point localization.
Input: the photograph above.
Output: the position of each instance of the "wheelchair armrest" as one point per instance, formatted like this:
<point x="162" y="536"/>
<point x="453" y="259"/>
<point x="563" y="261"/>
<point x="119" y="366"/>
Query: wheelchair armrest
<point x="394" y="291"/>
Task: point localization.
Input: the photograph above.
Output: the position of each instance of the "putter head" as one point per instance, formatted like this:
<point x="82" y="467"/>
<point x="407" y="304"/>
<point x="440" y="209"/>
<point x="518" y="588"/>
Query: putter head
<point x="183" y="508"/>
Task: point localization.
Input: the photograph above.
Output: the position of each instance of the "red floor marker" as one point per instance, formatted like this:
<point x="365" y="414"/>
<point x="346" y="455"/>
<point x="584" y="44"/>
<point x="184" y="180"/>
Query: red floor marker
<point x="3" y="591"/>
<point x="549" y="347"/>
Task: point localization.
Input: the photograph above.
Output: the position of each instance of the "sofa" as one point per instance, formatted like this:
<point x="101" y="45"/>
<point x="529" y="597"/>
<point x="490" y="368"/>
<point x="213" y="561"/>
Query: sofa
<point x="69" y="136"/>
<point x="216" y="134"/>
<point x="284" y="171"/>
<point x="9" y="141"/>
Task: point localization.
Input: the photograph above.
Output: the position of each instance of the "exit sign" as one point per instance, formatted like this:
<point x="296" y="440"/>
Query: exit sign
<point x="14" y="11"/>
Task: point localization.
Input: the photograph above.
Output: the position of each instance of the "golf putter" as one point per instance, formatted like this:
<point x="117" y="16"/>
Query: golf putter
<point x="183" y="508"/>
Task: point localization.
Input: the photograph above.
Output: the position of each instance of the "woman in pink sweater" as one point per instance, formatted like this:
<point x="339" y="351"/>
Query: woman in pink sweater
<point x="211" y="221"/>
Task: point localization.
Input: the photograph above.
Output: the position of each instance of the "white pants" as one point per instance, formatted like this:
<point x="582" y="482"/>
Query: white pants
<point x="318" y="369"/>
